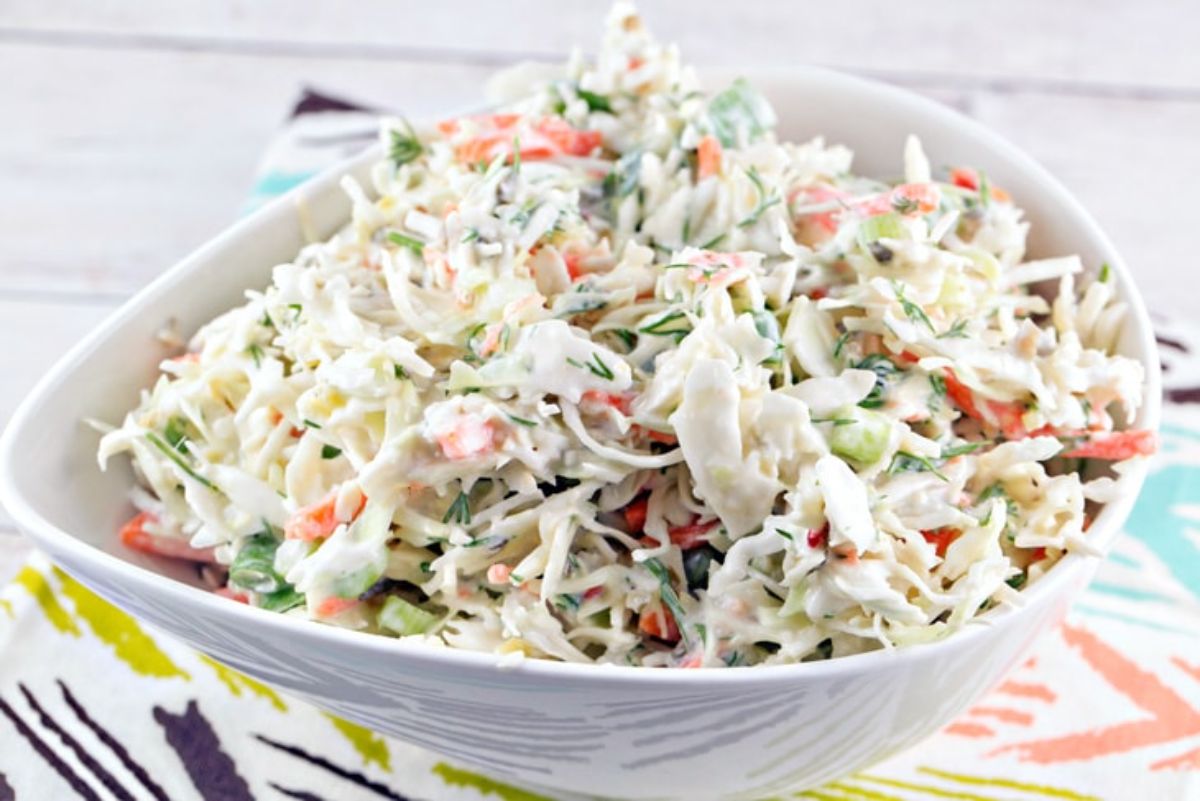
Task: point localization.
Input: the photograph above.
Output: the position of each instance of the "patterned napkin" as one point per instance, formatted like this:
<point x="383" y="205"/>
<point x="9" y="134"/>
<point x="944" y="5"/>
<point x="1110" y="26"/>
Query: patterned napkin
<point x="95" y="705"/>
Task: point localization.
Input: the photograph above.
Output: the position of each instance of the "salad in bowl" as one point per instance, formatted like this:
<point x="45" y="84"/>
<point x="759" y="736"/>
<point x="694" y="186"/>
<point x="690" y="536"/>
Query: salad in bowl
<point x="611" y="374"/>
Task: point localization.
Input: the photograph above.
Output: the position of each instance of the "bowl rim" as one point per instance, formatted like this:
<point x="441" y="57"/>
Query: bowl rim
<point x="1072" y="566"/>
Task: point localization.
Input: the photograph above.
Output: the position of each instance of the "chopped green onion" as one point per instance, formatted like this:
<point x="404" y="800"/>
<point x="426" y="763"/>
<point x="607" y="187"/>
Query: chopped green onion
<point x="956" y="331"/>
<point x="399" y="372"/>
<point x="405" y="146"/>
<point x="904" y="205"/>
<point x="594" y="101"/>
<point x="882" y="226"/>
<point x="283" y="599"/>
<point x="415" y="245"/>
<point x="404" y="618"/>
<point x="174" y="455"/>
<point x="739" y="109"/>
<point x="669" y="597"/>
<point x="841" y="344"/>
<point x="330" y="452"/>
<point x="253" y="567"/>
<point x="865" y="440"/>
<point x="764" y="201"/>
<point x="256" y="353"/>
<point x="310" y="423"/>
<point x="1105" y="273"/>
<point x="596" y="366"/>
<point x="623" y="180"/>
<point x="459" y="511"/>
<point x="521" y="421"/>
<point x="965" y="448"/>
<point x="176" y="432"/>
<point x="911" y="310"/>
<point x="904" y="462"/>
<point x="884" y="368"/>
<point x="662" y="326"/>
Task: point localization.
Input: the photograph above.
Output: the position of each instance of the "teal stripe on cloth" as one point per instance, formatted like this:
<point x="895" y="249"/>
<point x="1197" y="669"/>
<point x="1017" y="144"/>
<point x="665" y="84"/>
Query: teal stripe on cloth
<point x="1129" y="593"/>
<point x="1095" y="611"/>
<point x="276" y="183"/>
<point x="1155" y="520"/>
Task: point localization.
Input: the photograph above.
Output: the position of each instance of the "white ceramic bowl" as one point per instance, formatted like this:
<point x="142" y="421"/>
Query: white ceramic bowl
<point x="616" y="732"/>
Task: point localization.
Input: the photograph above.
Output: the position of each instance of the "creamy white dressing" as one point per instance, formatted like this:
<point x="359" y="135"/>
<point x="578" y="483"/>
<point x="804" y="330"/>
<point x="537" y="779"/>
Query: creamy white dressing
<point x="613" y="375"/>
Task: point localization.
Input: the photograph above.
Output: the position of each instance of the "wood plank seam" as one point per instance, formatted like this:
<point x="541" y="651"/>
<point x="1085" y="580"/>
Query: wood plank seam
<point x="449" y="56"/>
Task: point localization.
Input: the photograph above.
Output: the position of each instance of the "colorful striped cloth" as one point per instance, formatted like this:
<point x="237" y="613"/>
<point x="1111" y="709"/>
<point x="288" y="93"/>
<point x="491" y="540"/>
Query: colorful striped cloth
<point x="1108" y="707"/>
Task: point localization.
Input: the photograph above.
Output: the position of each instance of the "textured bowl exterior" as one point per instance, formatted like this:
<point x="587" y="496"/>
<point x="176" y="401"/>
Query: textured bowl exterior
<point x="598" y="734"/>
<point x="613" y="732"/>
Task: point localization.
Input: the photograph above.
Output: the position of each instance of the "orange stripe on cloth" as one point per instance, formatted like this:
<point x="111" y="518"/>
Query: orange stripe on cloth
<point x="1171" y="718"/>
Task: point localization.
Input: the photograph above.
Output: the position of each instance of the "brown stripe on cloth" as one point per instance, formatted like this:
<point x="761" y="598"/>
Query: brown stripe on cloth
<point x="212" y="771"/>
<point x="86" y="759"/>
<point x="337" y="770"/>
<point x="314" y="102"/>
<point x="113" y="744"/>
<point x="299" y="795"/>
<point x="45" y="752"/>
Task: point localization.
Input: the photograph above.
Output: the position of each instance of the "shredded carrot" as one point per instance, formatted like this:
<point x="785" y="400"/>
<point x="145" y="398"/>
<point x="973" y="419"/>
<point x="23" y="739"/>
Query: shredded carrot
<point x="1009" y="418"/>
<point x="825" y="221"/>
<point x="573" y="260"/>
<point x="470" y="437"/>
<point x="708" y="157"/>
<point x="232" y="594"/>
<point x="962" y="397"/>
<point x="551" y="137"/>
<point x="498" y="573"/>
<point x="661" y="436"/>
<point x="331" y="607"/>
<point x="905" y="198"/>
<point x="941" y="538"/>
<point x="635" y="514"/>
<point x="1116" y="446"/>
<point x="847" y="552"/>
<point x="317" y="521"/>
<point x="655" y="621"/>
<point x="693" y="535"/>
<point x="965" y="177"/>
<point x="135" y="536"/>
<point x="622" y="402"/>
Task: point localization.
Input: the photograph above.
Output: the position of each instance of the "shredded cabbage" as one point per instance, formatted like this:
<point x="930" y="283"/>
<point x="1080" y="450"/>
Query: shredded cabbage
<point x="613" y="375"/>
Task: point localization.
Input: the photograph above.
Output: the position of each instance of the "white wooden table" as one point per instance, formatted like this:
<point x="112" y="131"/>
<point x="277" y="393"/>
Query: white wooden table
<point x="130" y="130"/>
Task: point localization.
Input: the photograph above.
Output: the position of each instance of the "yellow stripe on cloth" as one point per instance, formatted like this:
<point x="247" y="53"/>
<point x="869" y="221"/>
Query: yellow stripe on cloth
<point x="862" y="792"/>
<point x="1009" y="784"/>
<point x="236" y="681"/>
<point x="927" y="789"/>
<point x="457" y="777"/>
<point x="113" y="627"/>
<point x="43" y="594"/>
<point x="369" y="745"/>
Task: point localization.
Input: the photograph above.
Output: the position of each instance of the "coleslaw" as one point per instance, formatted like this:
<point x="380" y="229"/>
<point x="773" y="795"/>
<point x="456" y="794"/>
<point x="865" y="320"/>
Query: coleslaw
<point x="613" y="375"/>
